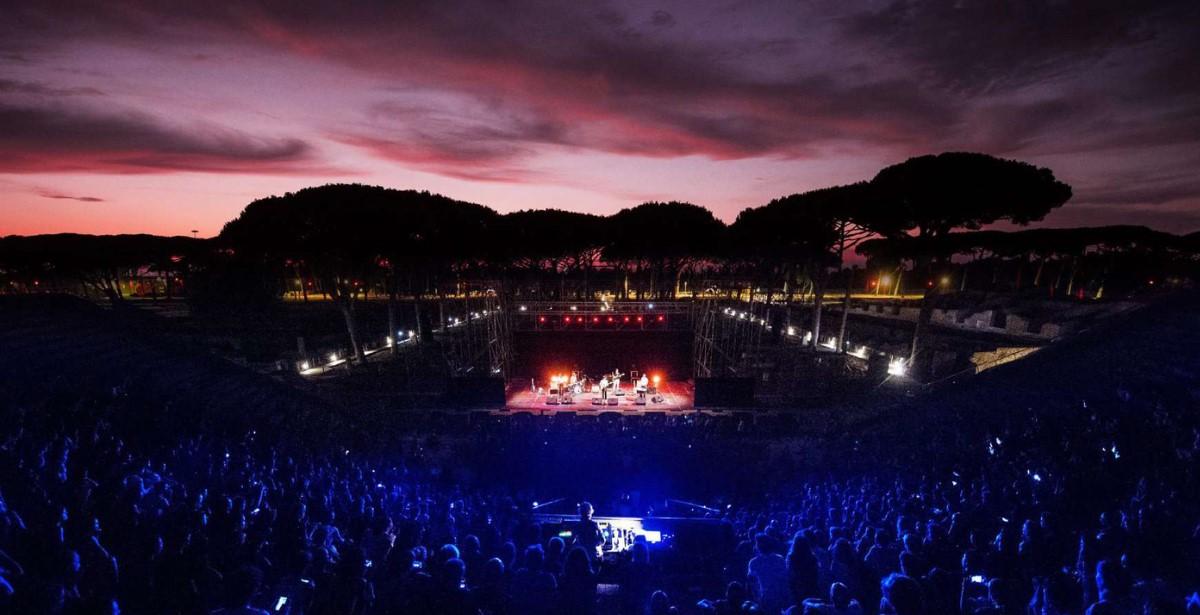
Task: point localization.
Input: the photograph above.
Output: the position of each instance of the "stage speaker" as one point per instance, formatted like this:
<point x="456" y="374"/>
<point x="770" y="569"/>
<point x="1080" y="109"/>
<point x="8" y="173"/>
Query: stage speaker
<point x="724" y="392"/>
<point x="475" y="392"/>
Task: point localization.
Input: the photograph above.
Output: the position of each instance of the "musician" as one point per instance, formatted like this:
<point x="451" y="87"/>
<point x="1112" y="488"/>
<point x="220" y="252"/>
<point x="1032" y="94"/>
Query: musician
<point x="643" y="383"/>
<point x="587" y="532"/>
<point x="604" y="384"/>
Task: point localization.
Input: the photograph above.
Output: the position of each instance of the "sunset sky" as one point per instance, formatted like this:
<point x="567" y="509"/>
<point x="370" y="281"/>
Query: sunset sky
<point x="123" y="117"/>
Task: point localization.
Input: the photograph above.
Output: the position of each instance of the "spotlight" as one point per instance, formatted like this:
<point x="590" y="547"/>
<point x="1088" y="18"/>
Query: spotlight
<point x="332" y="357"/>
<point x="896" y="367"/>
<point x="523" y="308"/>
<point x="304" y="366"/>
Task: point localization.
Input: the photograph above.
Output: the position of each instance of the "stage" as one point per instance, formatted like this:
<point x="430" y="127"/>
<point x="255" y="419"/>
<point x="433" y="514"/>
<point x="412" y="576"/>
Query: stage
<point x="676" y="397"/>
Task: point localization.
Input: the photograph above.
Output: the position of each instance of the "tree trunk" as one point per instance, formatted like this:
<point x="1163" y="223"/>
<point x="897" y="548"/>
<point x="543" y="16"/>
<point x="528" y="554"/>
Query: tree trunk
<point x="924" y="317"/>
<point x="818" y="301"/>
<point x="392" y="324"/>
<point x="346" y="303"/>
<point x="770" y="292"/>
<point x="841" y="339"/>
<point x="419" y="325"/>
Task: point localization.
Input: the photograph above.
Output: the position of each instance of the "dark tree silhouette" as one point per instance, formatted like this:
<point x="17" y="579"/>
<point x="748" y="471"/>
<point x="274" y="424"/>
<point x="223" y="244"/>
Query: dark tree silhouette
<point x="661" y="241"/>
<point x="345" y="233"/>
<point x="97" y="263"/>
<point x="936" y="194"/>
<point x="551" y="245"/>
<point x="791" y="237"/>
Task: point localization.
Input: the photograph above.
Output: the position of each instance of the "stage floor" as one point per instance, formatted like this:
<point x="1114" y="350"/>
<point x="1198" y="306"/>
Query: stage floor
<point x="677" y="397"/>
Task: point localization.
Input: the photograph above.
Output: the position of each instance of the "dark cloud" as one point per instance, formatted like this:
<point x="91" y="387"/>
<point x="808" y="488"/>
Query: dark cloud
<point x="789" y="80"/>
<point x="12" y="86"/>
<point x="980" y="46"/>
<point x="1147" y="188"/>
<point x="1171" y="219"/>
<point x="83" y="199"/>
<point x="576" y="64"/>
<point x="441" y="159"/>
<point x="1011" y="128"/>
<point x="58" y="138"/>
<point x="498" y="134"/>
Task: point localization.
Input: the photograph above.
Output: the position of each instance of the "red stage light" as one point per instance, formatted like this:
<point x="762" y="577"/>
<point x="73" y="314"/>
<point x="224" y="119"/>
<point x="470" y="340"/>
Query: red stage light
<point x="626" y="319"/>
<point x="579" y="319"/>
<point x="639" y="319"/>
<point x="610" y="317"/>
<point x="595" y="319"/>
<point x="541" y="319"/>
<point x="567" y="319"/>
<point x="660" y="319"/>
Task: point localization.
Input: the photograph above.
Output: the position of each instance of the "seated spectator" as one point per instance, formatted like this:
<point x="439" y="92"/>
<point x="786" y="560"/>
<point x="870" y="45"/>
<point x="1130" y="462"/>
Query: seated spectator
<point x="660" y="604"/>
<point x="767" y="572"/>
<point x="803" y="570"/>
<point x="901" y="596"/>
<point x="839" y="603"/>
<point x="241" y="588"/>
<point x="577" y="584"/>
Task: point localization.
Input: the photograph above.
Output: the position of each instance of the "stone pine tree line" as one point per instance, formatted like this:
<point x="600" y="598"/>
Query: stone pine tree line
<point x="349" y="241"/>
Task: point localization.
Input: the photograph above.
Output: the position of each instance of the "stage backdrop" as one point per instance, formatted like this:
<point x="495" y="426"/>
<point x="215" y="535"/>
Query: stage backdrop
<point x="540" y="353"/>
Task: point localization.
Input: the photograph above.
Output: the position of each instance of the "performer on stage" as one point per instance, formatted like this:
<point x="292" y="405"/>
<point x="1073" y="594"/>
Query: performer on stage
<point x="604" y="388"/>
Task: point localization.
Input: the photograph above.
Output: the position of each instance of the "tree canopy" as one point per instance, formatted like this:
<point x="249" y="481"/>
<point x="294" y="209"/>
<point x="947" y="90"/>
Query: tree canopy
<point x="936" y="194"/>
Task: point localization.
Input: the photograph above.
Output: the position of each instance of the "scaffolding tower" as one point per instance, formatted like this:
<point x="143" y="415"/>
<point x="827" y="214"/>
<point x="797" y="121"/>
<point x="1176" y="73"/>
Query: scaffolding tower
<point x="729" y="336"/>
<point x="475" y="336"/>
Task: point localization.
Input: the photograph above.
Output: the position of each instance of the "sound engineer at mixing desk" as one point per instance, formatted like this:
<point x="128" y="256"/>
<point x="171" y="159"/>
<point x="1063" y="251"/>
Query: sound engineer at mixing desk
<point x="587" y="532"/>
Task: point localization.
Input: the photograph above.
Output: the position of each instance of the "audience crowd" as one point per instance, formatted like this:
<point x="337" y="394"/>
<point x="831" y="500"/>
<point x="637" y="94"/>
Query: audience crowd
<point x="1053" y="499"/>
<point x="1049" y="520"/>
